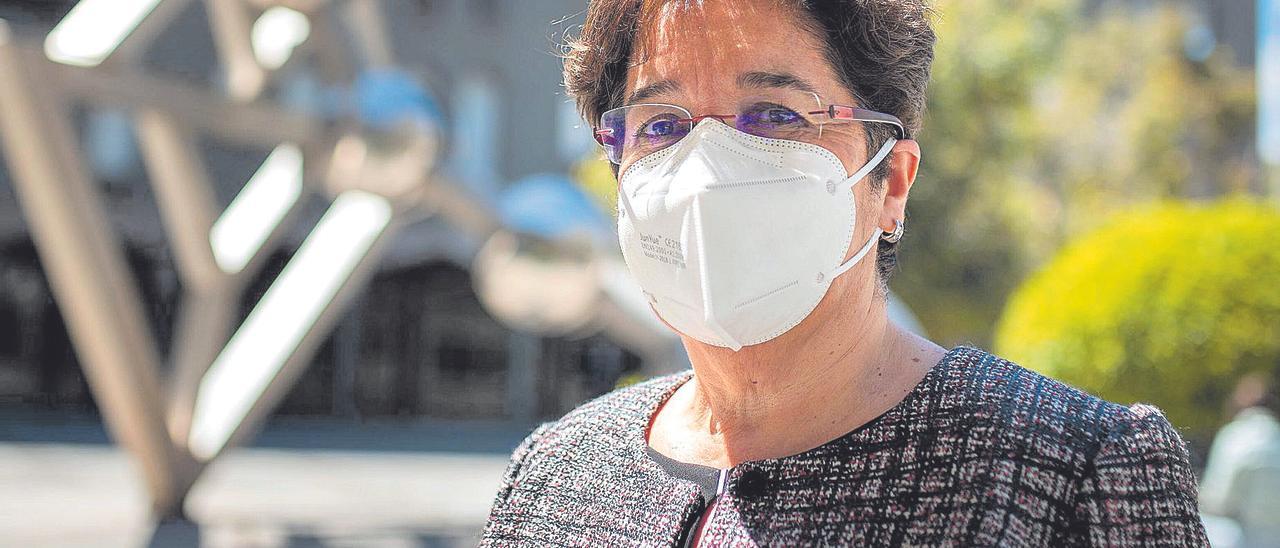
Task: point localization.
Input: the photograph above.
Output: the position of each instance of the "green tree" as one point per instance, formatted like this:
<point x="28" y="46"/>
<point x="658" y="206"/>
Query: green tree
<point x="1042" y="122"/>
<point x="1169" y="306"/>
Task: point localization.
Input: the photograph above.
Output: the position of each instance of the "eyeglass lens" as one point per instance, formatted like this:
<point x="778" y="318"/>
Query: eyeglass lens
<point x="632" y="132"/>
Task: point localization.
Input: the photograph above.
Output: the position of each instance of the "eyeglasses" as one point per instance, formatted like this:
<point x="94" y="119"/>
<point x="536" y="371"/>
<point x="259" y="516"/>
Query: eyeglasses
<point x="631" y="132"/>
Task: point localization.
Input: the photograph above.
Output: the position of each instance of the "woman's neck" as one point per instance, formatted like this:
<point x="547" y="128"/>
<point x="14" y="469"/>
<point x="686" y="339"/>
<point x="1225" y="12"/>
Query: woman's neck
<point x="795" y="392"/>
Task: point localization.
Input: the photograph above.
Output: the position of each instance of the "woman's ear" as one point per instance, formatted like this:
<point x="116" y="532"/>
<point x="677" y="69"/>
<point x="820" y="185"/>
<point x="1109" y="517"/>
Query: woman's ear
<point x="904" y="161"/>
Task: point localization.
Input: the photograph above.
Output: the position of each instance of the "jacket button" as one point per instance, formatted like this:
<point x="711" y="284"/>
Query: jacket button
<point x="753" y="483"/>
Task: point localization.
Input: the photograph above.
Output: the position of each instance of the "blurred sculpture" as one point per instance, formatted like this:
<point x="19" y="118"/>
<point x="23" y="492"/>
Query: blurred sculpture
<point x="364" y="140"/>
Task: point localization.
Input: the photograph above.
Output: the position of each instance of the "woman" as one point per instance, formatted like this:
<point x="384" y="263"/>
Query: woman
<point x="763" y="149"/>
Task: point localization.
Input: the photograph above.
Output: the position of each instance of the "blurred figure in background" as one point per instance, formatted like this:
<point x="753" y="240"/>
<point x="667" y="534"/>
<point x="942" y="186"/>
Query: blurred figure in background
<point x="1242" y="475"/>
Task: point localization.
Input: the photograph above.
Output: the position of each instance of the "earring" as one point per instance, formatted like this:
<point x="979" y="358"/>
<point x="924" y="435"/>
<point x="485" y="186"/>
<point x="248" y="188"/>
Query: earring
<point x="893" y="237"/>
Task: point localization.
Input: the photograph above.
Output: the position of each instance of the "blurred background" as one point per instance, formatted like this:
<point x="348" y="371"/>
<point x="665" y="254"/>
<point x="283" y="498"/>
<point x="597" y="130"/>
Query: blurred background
<point x="303" y="272"/>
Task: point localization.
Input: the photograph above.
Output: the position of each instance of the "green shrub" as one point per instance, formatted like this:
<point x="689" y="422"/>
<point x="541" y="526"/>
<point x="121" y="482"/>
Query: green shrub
<point x="1167" y="306"/>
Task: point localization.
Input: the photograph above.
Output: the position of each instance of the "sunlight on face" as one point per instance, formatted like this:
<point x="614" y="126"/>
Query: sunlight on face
<point x="711" y="57"/>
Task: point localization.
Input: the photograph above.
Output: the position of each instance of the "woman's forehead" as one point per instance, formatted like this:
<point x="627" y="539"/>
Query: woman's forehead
<point x="689" y="49"/>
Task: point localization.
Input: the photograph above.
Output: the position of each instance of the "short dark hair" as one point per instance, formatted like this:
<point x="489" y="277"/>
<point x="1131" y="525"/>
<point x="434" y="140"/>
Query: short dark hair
<point x="881" y="50"/>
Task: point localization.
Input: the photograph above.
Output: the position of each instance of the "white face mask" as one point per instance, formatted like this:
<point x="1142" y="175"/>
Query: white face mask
<point x="736" y="238"/>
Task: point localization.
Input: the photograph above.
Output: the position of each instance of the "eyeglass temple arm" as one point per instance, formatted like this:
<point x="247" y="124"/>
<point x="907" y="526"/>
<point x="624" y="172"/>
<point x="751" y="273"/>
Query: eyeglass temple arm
<point x="843" y="112"/>
<point x="601" y="134"/>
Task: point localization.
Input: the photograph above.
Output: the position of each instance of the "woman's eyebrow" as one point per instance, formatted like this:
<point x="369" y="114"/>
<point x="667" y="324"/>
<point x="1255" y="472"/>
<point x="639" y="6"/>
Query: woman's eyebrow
<point x="760" y="79"/>
<point x="652" y="90"/>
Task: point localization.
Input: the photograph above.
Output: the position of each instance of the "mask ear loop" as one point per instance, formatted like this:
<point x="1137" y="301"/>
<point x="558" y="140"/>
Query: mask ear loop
<point x="856" y="256"/>
<point x="856" y="178"/>
<point x="870" y="165"/>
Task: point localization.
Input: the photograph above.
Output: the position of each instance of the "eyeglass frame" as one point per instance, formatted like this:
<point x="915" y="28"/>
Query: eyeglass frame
<point x="834" y="112"/>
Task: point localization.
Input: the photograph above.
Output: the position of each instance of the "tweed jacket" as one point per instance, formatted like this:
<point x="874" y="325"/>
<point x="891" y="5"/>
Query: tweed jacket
<point x="980" y="452"/>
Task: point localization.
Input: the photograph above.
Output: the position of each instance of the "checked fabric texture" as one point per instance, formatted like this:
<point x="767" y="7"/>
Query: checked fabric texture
<point x="980" y="453"/>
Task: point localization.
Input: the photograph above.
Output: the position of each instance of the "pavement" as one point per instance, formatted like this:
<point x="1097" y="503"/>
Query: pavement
<point x="303" y="483"/>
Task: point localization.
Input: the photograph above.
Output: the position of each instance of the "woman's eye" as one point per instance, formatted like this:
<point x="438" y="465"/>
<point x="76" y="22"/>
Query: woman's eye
<point x="778" y="115"/>
<point x="663" y="127"/>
